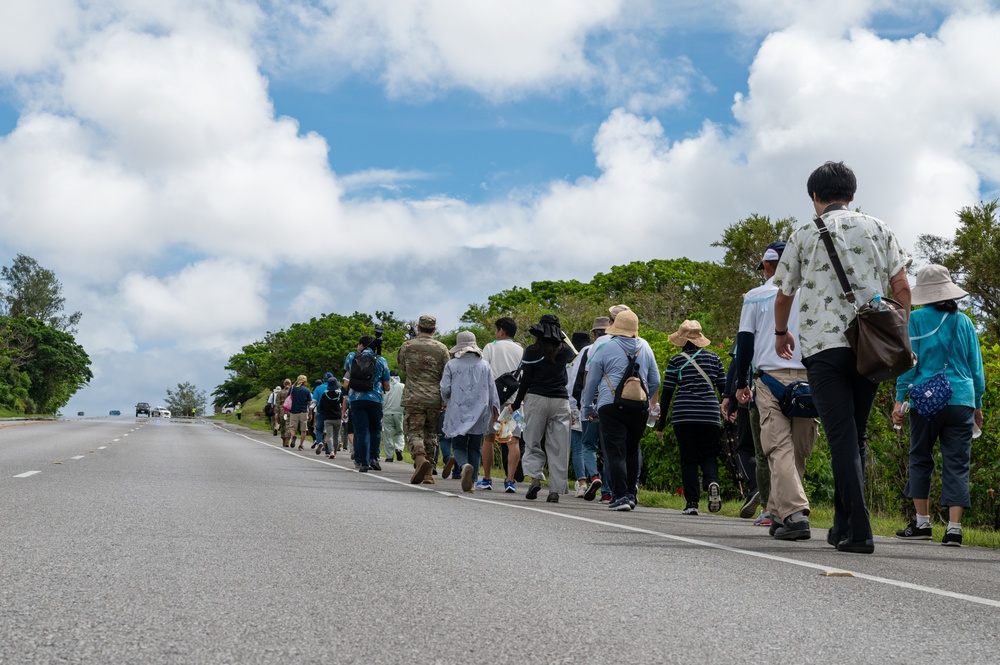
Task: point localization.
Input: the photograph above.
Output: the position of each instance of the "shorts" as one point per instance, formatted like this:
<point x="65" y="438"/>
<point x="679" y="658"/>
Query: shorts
<point x="298" y="422"/>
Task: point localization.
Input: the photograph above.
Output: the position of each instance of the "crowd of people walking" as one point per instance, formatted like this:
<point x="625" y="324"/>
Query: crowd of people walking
<point x="588" y="399"/>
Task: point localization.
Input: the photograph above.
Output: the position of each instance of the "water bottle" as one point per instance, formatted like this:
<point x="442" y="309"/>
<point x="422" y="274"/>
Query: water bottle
<point x="518" y="418"/>
<point x="654" y="415"/>
<point x="877" y="303"/>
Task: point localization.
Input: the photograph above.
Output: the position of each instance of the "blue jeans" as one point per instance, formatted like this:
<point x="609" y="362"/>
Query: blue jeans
<point x="584" y="450"/>
<point x="953" y="428"/>
<point x="366" y="415"/>
<point x="844" y="401"/>
<point x="318" y="438"/>
<point x="467" y="449"/>
<point x="444" y="447"/>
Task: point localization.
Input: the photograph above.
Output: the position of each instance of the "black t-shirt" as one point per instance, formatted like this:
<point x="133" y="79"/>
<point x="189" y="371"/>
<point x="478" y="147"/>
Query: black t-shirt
<point x="544" y="378"/>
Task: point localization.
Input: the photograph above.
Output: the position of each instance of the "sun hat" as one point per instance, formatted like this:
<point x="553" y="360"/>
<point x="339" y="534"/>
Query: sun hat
<point x="618" y="309"/>
<point x="934" y="284"/>
<point x="690" y="331"/>
<point x="772" y="253"/>
<point x="547" y="328"/>
<point x="465" y="342"/>
<point x="601" y="323"/>
<point x="626" y="325"/>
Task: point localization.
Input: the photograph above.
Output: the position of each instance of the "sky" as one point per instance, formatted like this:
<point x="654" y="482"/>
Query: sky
<point x="199" y="172"/>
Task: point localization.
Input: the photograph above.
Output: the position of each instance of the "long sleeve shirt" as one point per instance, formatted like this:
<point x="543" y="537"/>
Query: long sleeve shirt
<point x="468" y="388"/>
<point x="696" y="401"/>
<point x="612" y="360"/>
<point x="931" y="335"/>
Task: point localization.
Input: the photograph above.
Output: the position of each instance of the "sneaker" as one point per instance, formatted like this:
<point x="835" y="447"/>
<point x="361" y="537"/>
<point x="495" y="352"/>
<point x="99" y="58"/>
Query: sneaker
<point x="375" y="466"/>
<point x="775" y="525"/>
<point x="857" y="546"/>
<point x="467" y="472"/>
<point x="605" y="498"/>
<point x="487" y="484"/>
<point x="509" y="486"/>
<point x="690" y="510"/>
<point x="764" y="519"/>
<point x="592" y="489"/>
<point x="794" y="531"/>
<point x="621" y="504"/>
<point x="388" y="459"/>
<point x="750" y="505"/>
<point x="399" y="455"/>
<point x="319" y="449"/>
<point x="632" y="501"/>
<point x="581" y="488"/>
<point x="363" y="468"/>
<point x="448" y="466"/>
<point x="553" y="497"/>
<point x="952" y="538"/>
<point x="533" y="489"/>
<point x="913" y="532"/>
<point x="714" y="498"/>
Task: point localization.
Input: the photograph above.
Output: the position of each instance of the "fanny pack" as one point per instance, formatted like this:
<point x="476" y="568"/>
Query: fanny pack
<point x="795" y="399"/>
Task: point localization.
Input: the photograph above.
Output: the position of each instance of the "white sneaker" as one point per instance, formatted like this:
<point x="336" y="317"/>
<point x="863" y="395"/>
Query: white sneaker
<point x="581" y="489"/>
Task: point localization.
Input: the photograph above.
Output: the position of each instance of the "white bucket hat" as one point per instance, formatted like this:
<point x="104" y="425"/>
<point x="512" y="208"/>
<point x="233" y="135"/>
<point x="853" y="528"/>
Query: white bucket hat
<point x="934" y="284"/>
<point x="465" y="342"/>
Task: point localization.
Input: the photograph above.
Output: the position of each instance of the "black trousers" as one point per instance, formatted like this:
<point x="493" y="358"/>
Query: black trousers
<point x="699" y="449"/>
<point x="844" y="400"/>
<point x="621" y="432"/>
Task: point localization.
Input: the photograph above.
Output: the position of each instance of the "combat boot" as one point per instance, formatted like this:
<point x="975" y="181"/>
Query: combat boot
<point x="423" y="468"/>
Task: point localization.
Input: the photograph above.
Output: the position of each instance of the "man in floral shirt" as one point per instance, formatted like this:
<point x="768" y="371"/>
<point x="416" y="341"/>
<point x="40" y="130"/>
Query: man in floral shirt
<point x="875" y="263"/>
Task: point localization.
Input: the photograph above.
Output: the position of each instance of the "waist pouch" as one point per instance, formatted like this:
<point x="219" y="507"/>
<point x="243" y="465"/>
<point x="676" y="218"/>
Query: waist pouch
<point x="795" y="399"/>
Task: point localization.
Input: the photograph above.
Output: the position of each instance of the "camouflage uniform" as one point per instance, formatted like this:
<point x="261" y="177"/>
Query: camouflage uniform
<point x="283" y="430"/>
<point x="422" y="359"/>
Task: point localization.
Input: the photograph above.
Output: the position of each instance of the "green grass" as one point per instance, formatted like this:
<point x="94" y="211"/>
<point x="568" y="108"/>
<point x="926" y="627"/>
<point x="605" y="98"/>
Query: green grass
<point x="821" y="517"/>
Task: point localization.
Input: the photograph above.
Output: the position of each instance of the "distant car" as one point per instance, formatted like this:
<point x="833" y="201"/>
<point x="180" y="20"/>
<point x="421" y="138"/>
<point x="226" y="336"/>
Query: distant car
<point x="79" y="413"/>
<point x="114" y="412"/>
<point x="163" y="412"/>
<point x="228" y="410"/>
<point x="142" y="407"/>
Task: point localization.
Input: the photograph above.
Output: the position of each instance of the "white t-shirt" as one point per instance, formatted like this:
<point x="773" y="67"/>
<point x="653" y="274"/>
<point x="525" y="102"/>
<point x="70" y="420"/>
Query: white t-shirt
<point x="757" y="317"/>
<point x="503" y="355"/>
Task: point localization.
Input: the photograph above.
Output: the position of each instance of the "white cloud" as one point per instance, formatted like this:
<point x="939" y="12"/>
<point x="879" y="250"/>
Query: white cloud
<point x="30" y="33"/>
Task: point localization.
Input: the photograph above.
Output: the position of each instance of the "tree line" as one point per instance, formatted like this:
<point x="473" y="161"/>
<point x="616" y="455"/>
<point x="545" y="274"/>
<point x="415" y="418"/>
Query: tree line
<point x="664" y="292"/>
<point x="41" y="365"/>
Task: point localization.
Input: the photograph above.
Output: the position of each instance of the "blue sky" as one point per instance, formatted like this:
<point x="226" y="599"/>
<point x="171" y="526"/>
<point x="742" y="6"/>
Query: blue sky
<point x="198" y="173"/>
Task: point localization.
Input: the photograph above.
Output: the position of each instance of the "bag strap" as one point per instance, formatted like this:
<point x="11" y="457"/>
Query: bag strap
<point x="838" y="267"/>
<point x="951" y="346"/>
<point x="697" y="367"/>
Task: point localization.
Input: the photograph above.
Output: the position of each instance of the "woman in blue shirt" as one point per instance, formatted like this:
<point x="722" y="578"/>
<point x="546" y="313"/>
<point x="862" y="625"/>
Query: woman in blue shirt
<point x="944" y="340"/>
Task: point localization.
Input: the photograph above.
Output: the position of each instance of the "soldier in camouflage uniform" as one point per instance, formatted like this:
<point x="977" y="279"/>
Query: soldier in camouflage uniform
<point x="281" y="415"/>
<point x="422" y="359"/>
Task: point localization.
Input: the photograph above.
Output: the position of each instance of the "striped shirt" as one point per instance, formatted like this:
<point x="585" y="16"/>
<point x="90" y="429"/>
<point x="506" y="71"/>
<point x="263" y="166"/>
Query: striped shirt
<point x="696" y="401"/>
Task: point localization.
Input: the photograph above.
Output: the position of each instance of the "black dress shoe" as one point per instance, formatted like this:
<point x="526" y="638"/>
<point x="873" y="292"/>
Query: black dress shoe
<point x="856" y="546"/>
<point x="833" y="538"/>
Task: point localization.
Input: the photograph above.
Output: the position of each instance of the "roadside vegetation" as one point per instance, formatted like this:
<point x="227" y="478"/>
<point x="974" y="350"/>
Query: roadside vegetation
<point x="663" y="293"/>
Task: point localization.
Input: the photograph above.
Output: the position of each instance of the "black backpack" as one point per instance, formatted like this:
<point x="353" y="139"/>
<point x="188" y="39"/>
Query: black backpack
<point x="507" y="384"/>
<point x="362" y="374"/>
<point x="329" y="403"/>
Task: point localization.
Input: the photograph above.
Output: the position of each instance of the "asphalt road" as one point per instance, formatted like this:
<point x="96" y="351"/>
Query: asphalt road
<point x="145" y="541"/>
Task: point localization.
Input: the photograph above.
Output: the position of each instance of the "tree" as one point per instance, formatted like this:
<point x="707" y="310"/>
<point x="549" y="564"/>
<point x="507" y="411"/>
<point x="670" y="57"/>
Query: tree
<point x="55" y="365"/>
<point x="974" y="258"/>
<point x="31" y="291"/>
<point x="185" y="399"/>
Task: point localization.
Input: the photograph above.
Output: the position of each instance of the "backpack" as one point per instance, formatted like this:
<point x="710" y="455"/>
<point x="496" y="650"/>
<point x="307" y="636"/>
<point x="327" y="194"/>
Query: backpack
<point x="329" y="404"/>
<point x="361" y="377"/>
<point x="631" y="394"/>
<point x="507" y="384"/>
<point x="269" y="409"/>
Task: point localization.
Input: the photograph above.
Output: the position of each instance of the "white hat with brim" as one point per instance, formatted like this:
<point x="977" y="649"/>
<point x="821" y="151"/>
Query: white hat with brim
<point x="933" y="285"/>
<point x="690" y="331"/>
<point x="465" y="342"/>
<point x="626" y="325"/>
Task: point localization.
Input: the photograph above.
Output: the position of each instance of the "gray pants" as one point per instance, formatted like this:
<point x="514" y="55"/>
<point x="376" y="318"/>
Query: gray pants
<point x="549" y="416"/>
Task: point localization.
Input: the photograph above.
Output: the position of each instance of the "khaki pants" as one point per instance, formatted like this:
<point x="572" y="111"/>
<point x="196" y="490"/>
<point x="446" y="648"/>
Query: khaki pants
<point x="787" y="442"/>
<point x="420" y="427"/>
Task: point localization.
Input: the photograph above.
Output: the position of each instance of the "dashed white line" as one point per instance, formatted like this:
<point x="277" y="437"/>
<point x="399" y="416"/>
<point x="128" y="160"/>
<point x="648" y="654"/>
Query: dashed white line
<point x="114" y="440"/>
<point x="26" y="474"/>
<point x="78" y="457"/>
<point x="101" y="447"/>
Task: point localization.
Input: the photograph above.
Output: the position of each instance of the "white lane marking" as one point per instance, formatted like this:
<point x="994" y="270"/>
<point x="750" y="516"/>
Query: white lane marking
<point x="101" y="447"/>
<point x="77" y="457"/>
<point x="125" y="434"/>
<point x="682" y="539"/>
<point x="26" y="474"/>
<point x="115" y="440"/>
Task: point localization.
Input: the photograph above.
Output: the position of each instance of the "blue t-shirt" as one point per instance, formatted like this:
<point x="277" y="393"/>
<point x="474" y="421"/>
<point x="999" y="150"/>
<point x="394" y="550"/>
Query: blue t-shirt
<point x="381" y="375"/>
<point x="300" y="399"/>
